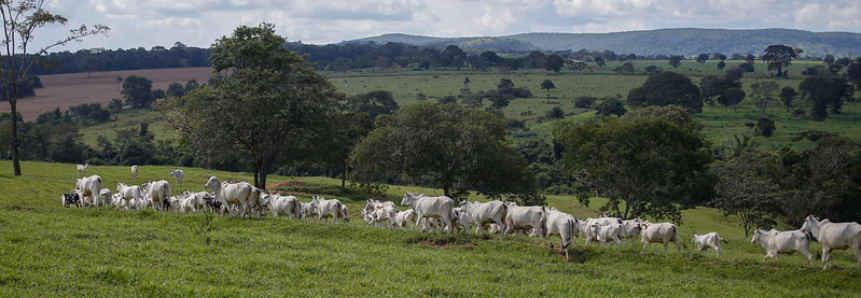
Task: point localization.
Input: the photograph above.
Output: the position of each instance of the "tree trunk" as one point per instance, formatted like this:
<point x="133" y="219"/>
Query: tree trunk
<point x="344" y="180"/>
<point x="13" y="101"/>
<point x="263" y="174"/>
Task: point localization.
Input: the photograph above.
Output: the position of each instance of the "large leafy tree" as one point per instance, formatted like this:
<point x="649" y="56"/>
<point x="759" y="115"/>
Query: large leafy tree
<point x="644" y="164"/>
<point x="443" y="146"/>
<point x="267" y="107"/>
<point x="748" y="189"/>
<point x="713" y="87"/>
<point x="137" y="91"/>
<point x="21" y="21"/>
<point x="374" y="103"/>
<point x="667" y="88"/>
<point x="823" y="92"/>
<point x="778" y="57"/>
<point x="763" y="93"/>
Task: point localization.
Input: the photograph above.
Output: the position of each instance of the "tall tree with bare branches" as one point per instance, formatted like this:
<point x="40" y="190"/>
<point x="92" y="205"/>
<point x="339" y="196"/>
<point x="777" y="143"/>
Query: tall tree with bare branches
<point x="21" y="20"/>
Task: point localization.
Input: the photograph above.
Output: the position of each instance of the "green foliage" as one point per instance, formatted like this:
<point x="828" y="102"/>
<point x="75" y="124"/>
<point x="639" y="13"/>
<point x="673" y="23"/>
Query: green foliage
<point x="732" y="96"/>
<point x="764" y="92"/>
<point x="137" y="91"/>
<point x="667" y="88"/>
<point x="585" y="102"/>
<point x="787" y="96"/>
<point x="748" y="188"/>
<point x="267" y="111"/>
<point x="373" y="103"/>
<point x="547" y="84"/>
<point x="675" y="61"/>
<point x="765" y="126"/>
<point x="555" y="113"/>
<point x="610" y="106"/>
<point x="822" y="92"/>
<point x="713" y="87"/>
<point x="444" y="146"/>
<point x="778" y="57"/>
<point x="664" y="164"/>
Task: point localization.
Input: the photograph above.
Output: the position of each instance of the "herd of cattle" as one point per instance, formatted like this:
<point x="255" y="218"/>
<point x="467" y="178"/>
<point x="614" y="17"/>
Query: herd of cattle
<point x="440" y="214"/>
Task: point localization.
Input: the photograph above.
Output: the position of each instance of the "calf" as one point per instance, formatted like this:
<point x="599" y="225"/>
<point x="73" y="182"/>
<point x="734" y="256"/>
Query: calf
<point x="71" y="198"/>
<point x="712" y="240"/>
<point x="776" y="242"/>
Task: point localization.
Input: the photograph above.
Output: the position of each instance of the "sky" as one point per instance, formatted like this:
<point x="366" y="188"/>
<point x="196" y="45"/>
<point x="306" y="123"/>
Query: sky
<point x="149" y="23"/>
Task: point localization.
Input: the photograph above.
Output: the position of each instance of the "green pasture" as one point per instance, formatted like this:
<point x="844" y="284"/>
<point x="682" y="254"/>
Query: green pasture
<point x="50" y="251"/>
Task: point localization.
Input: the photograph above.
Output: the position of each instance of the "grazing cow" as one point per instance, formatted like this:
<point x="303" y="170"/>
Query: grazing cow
<point x="128" y="194"/>
<point x="405" y="218"/>
<point x="135" y="173"/>
<point x="82" y="170"/>
<point x="328" y="208"/>
<point x="787" y="242"/>
<point x="177" y="175"/>
<point x="430" y="207"/>
<point x="609" y="232"/>
<point x="157" y="193"/>
<point x="231" y="194"/>
<point x="283" y="205"/>
<point x="485" y="213"/>
<point x="832" y="235"/>
<point x="525" y="219"/>
<point x="563" y="225"/>
<point x="712" y="240"/>
<point x="71" y="198"/>
<point x="88" y="188"/>
<point x="661" y="233"/>
<point x="376" y="204"/>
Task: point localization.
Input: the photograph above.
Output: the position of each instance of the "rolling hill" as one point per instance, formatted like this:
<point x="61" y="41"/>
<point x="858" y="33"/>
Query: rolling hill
<point x="683" y="41"/>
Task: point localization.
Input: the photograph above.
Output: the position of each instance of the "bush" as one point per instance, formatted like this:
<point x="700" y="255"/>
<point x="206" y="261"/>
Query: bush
<point x="765" y="126"/>
<point x="584" y="102"/>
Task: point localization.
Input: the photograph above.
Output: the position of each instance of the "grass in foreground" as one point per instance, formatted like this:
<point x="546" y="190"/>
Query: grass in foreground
<point x="49" y="251"/>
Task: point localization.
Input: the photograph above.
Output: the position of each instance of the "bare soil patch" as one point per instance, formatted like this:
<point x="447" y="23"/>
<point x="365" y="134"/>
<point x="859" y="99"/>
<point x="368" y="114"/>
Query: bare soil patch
<point x="65" y="90"/>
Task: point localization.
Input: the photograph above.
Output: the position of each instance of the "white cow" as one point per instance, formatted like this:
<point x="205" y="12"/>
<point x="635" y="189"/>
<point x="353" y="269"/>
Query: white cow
<point x="563" y="225"/>
<point x="88" y="188"/>
<point x="525" y="219"/>
<point x="462" y="218"/>
<point x="283" y="205"/>
<point x="661" y="233"/>
<point x="257" y="202"/>
<point x="157" y="193"/>
<point x="104" y="199"/>
<point x="787" y="242"/>
<point x="82" y="170"/>
<point x="431" y="207"/>
<point x="135" y="173"/>
<point x="231" y="194"/>
<point x="631" y="228"/>
<point x="832" y="235"/>
<point x="328" y="208"/>
<point x="386" y="214"/>
<point x="485" y="213"/>
<point x="712" y="240"/>
<point x="308" y="210"/>
<point x="178" y="175"/>
<point x="375" y="204"/>
<point x="609" y="232"/>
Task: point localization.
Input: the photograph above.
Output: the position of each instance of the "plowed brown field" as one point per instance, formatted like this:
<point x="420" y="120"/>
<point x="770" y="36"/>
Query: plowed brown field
<point x="65" y="90"/>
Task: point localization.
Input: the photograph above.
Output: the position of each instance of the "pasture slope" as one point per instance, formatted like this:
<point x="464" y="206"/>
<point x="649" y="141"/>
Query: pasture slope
<point x="50" y="251"/>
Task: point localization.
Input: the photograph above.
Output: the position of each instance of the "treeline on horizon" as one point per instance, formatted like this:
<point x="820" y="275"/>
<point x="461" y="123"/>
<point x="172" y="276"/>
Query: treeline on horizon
<point x="344" y="57"/>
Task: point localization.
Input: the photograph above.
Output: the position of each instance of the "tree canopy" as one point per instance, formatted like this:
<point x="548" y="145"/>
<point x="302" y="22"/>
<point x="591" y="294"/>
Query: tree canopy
<point x="667" y="88"/>
<point x="443" y="146"/>
<point x="778" y="57"/>
<point x="649" y="165"/>
<point x="268" y="110"/>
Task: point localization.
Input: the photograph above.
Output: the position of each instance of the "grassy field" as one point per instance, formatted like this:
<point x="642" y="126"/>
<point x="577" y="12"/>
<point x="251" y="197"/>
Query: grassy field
<point x="50" y="251"/>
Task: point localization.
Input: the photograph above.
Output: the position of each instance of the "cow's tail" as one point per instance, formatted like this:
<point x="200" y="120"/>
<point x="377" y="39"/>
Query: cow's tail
<point x="571" y="226"/>
<point x="724" y="240"/>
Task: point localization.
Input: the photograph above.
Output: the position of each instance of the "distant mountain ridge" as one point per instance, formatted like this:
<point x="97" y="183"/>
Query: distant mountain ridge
<point x="682" y="41"/>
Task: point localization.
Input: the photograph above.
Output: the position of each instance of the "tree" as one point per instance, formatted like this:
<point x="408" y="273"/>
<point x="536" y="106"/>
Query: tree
<point x="702" y="58"/>
<point x="91" y="63"/>
<point x="21" y="20"/>
<point x="675" y="61"/>
<point x="555" y="113"/>
<point x="600" y="61"/>
<point x="579" y="66"/>
<point x="667" y="88"/>
<point x="787" y="95"/>
<point x="547" y="85"/>
<point x="721" y="65"/>
<point x="763" y="92"/>
<point x="732" y="96"/>
<point x="268" y="110"/>
<point x="553" y="63"/>
<point x="175" y="90"/>
<point x="349" y="129"/>
<point x="778" y="57"/>
<point x="713" y="87"/>
<point x="649" y="165"/>
<point x="610" y="106"/>
<point x="443" y="146"/>
<point x="765" y="126"/>
<point x="373" y="103"/>
<point x="822" y="92"/>
<point x="627" y="68"/>
<point x="137" y="91"/>
<point x="747" y="189"/>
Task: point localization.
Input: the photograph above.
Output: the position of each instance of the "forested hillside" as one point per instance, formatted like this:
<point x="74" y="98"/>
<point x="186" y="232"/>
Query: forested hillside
<point x="686" y="41"/>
